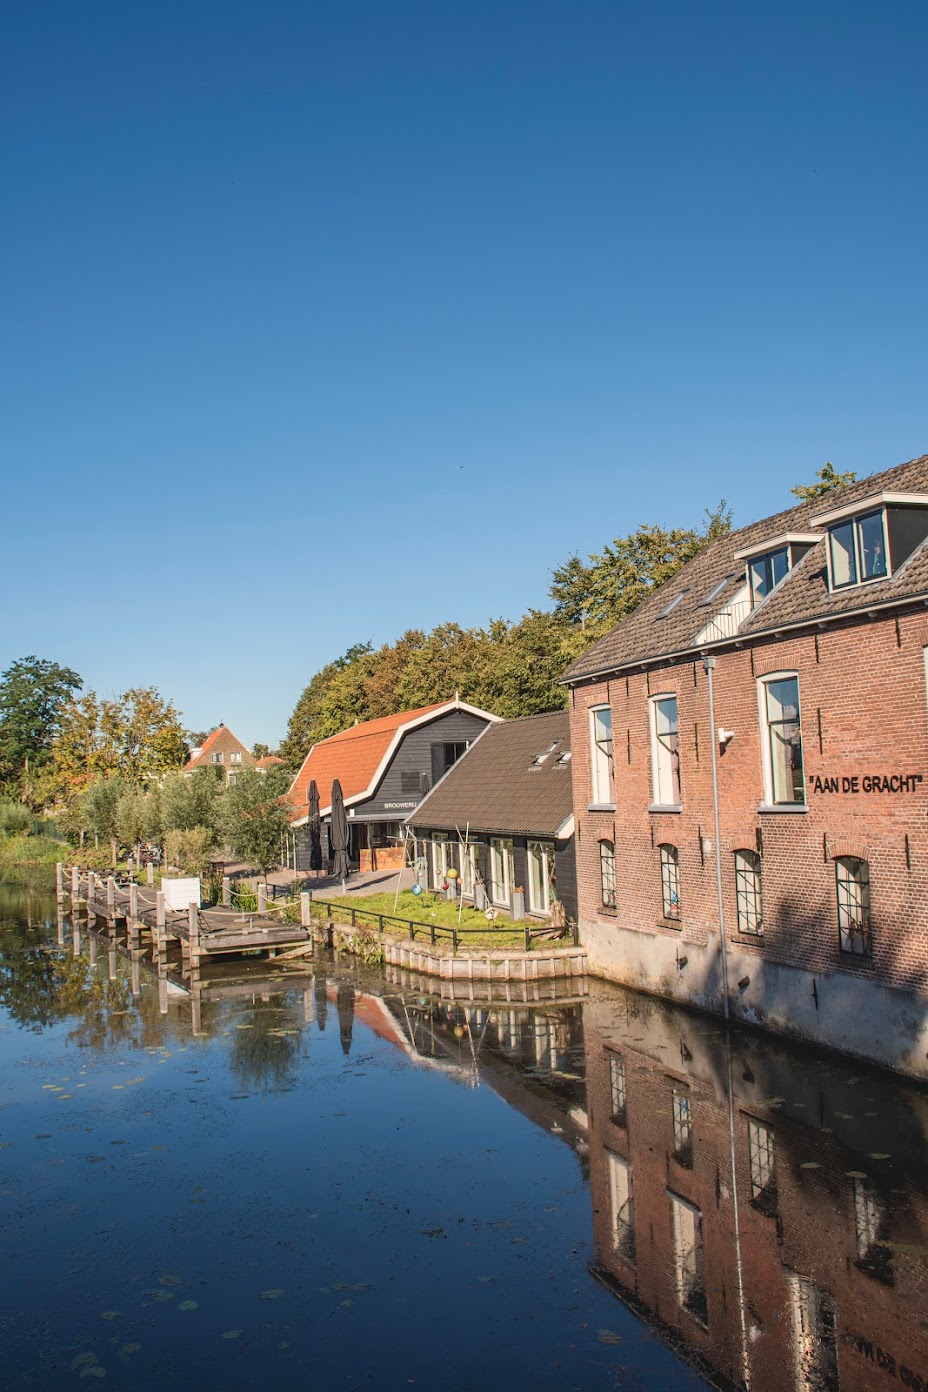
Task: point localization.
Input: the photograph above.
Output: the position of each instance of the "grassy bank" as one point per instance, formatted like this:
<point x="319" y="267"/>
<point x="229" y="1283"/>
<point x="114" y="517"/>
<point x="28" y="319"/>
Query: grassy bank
<point x="18" y="853"/>
<point x="427" y="909"/>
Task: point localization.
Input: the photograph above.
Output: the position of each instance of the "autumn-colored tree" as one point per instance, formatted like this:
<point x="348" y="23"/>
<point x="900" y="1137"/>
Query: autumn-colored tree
<point x="137" y="736"/>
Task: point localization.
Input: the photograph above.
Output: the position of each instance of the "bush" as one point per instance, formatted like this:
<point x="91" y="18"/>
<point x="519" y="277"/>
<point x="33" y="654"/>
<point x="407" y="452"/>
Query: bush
<point x="96" y="858"/>
<point x="189" y="850"/>
<point x="15" y="818"/>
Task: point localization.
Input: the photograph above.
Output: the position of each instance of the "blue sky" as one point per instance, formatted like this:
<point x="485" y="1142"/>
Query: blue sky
<point x="324" y="321"/>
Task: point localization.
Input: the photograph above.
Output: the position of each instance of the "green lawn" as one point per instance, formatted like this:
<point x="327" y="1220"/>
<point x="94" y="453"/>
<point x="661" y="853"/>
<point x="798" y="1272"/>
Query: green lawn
<point x="427" y="909"/>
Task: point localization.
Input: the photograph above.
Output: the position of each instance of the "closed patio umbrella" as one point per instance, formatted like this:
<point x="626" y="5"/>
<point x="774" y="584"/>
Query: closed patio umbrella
<point x="315" y="837"/>
<point x="338" y="831"/>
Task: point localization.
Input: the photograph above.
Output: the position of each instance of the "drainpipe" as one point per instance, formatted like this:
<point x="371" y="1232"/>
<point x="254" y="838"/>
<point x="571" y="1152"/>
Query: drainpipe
<point x="709" y="667"/>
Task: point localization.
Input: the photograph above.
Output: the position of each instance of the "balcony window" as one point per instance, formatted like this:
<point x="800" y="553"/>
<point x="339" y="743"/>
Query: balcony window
<point x="852" y="878"/>
<point x="603" y="776"/>
<point x="783" y="771"/>
<point x="501" y="871"/>
<point x="766" y="571"/>
<point x="857" y="550"/>
<point x="607" y="874"/>
<point x="665" y="751"/>
<point x="540" y="866"/>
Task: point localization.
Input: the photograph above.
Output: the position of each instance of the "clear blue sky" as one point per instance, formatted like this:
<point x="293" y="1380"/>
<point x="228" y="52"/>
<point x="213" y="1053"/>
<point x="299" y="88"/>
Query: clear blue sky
<point x="321" y="321"/>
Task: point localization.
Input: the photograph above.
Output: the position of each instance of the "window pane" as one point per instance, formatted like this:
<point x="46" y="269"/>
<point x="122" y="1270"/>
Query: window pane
<point x="601" y="753"/>
<point x="617" y="1088"/>
<point x="779" y="565"/>
<point x="666" y="752"/>
<point x="607" y="873"/>
<point x="747" y="891"/>
<point x="853" y="889"/>
<point x="623" y="1206"/>
<point x="670" y="882"/>
<point x="785" y="740"/>
<point x="872" y="546"/>
<point x="843" y="564"/>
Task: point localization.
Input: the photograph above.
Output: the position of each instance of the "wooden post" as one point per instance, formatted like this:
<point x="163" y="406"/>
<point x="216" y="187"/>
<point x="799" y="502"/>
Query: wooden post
<point x="75" y="883"/>
<point x="160" y="920"/>
<point x="305" y="914"/>
<point x="262" y="897"/>
<point x="91" y="893"/>
<point x="133" y="902"/>
<point x="193" y="924"/>
<point x="150" y="872"/>
<point x="226" y="892"/>
<point x="59" y="880"/>
<point x="111" y="899"/>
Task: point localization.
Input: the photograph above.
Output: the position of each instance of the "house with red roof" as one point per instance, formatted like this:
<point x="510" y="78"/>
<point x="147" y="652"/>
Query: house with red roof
<point x="221" y="750"/>
<point x="385" y="768"/>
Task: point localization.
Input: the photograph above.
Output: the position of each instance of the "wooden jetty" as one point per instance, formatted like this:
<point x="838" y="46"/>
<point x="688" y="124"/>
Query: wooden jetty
<point x="201" y="933"/>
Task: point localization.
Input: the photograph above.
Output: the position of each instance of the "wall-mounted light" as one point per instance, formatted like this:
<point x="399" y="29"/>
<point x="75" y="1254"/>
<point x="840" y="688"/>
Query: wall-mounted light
<point x="725" y="737"/>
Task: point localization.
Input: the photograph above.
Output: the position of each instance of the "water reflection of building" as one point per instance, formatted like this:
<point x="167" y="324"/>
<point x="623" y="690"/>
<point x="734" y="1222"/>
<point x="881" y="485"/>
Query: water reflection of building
<point x="804" y="1269"/>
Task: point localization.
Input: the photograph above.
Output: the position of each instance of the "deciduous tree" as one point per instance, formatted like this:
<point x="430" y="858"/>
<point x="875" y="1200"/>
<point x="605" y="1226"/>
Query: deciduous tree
<point x="33" y="694"/>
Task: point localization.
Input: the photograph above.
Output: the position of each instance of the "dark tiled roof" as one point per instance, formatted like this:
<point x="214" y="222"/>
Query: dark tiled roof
<point x="496" y="787"/>
<point x="803" y="596"/>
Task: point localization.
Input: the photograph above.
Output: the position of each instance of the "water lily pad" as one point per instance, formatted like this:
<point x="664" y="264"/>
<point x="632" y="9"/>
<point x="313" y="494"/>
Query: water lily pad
<point x="111" y="1314"/>
<point x="232" y="1334"/>
<point x="169" y="1280"/>
<point x="5" y="1145"/>
<point x="878" y="1155"/>
<point x="93" y="1370"/>
<point x="855" y="1174"/>
<point x="188" y="1305"/>
<point x="810" y="1165"/>
<point x="83" y="1360"/>
<point x="130" y="1349"/>
<point x="273" y="1294"/>
<point x="606" y="1336"/>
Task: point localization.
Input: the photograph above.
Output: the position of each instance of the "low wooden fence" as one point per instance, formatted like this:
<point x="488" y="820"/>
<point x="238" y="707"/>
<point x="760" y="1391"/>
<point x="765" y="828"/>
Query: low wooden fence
<point x="340" y="912"/>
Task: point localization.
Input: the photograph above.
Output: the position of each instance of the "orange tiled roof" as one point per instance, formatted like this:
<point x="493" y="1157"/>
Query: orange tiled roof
<point x="268" y="761"/>
<point x="353" y="757"/>
<point x="201" y="758"/>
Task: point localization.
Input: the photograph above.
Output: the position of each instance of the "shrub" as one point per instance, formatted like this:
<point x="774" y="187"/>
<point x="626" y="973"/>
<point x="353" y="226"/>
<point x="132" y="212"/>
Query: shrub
<point x="189" y="850"/>
<point x="15" y="818"/>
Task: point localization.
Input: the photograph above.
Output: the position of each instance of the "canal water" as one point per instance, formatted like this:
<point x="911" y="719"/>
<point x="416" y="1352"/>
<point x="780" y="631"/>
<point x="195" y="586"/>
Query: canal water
<point x="318" y="1177"/>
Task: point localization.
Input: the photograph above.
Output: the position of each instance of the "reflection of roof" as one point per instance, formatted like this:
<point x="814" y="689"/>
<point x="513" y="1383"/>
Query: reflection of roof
<point x="357" y="757"/>
<point x="657" y="628"/>
<point x="510" y="780"/>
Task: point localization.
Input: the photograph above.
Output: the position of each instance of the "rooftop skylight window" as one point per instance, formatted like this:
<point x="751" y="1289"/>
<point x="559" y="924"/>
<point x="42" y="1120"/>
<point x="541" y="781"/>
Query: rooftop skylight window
<point x="677" y="599"/>
<point x="717" y="590"/>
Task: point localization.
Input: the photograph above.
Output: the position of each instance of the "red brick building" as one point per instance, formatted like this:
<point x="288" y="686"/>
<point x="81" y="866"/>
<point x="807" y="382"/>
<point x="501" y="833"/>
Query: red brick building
<point x="221" y="750"/>
<point x="809" y="634"/>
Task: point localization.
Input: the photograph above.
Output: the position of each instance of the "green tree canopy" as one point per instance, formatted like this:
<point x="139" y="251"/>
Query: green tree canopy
<point x="137" y="736"/>
<point x="33" y="694"/>
<point x="827" y="480"/>
<point x="257" y="816"/>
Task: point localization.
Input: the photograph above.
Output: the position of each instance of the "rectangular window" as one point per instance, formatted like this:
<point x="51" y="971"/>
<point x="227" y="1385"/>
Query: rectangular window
<point x="617" y="1088"/>
<point x="540" y="864"/>
<point x="852" y="878"/>
<point x="682" y="1127"/>
<point x="783" y="740"/>
<point x="689" y="1258"/>
<point x="439" y="858"/>
<point x="623" y="1207"/>
<point x="468" y="869"/>
<point x="216" y="757"/>
<point x="747" y="892"/>
<point x="767" y="571"/>
<point x="815" y="1343"/>
<point x="501" y="871"/>
<point x="857" y="550"/>
<point x="603" y="776"/>
<point x="607" y="874"/>
<point x="670" y="881"/>
<point x="235" y="757"/>
<point x="763" y="1173"/>
<point x="665" y="751"/>
<point x="874" y="1253"/>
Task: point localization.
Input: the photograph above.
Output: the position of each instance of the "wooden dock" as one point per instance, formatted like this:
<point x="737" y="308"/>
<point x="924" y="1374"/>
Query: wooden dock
<point x="200" y="933"/>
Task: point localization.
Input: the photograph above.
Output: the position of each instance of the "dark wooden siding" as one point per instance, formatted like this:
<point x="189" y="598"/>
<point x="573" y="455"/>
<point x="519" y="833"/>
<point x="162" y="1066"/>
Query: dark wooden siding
<point x="565" y="868"/>
<point x="394" y="800"/>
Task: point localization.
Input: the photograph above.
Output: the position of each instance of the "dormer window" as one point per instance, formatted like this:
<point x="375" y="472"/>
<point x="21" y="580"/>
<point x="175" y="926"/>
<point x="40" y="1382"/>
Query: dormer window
<point x="770" y="561"/>
<point x="870" y="539"/>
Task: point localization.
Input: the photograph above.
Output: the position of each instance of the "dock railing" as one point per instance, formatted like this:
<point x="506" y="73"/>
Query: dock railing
<point x="340" y="912"/>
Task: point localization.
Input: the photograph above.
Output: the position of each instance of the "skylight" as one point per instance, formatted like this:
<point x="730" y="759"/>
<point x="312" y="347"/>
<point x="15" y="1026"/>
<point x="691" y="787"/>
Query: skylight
<point x="673" y="604"/>
<point x="717" y="589"/>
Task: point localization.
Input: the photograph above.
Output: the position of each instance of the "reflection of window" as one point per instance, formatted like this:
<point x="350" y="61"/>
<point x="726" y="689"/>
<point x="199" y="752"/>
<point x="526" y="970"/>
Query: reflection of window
<point x="665" y="751"/>
<point x="500" y="871"/>
<point x="783" y="739"/>
<point x="682" y="1126"/>
<point x="853" y="888"/>
<point x="689" y="1258"/>
<point x="617" y="1088"/>
<point x="603" y="778"/>
<point x="623" y="1206"/>
<point x="747" y="892"/>
<point x="670" y="881"/>
<point x="814" y="1342"/>
<point x="874" y="1256"/>
<point x="857" y="550"/>
<point x="540" y="856"/>
<point x="763" y="1173"/>
<point x="607" y="874"/>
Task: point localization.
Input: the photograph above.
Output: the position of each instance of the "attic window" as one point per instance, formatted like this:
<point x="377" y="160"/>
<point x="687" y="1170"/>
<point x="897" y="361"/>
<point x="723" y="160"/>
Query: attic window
<point x="717" y="590"/>
<point x="562" y="760"/>
<point x="870" y="539"/>
<point x="539" y="759"/>
<point x="770" y="561"/>
<point x="677" y="599"/>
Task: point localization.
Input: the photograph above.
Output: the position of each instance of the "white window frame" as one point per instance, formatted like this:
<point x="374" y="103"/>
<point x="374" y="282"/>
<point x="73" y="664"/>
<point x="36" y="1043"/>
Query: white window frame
<point x="501" y="854"/>
<point x="662" y="758"/>
<point x="854" y="522"/>
<point x="216" y="757"/>
<point x="621" y="1206"/>
<point x="618" y="1095"/>
<point x="689" y="1255"/>
<point x="602" y="766"/>
<point x="235" y="757"/>
<point x="547" y="852"/>
<point x="439" y="857"/>
<point x="749" y="892"/>
<point x="766" y="762"/>
<point x="468" y="869"/>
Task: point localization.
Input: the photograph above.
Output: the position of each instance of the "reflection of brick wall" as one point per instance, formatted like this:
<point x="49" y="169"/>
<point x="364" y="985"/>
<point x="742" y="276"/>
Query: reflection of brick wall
<point x="811" y="1232"/>
<point x="863" y="700"/>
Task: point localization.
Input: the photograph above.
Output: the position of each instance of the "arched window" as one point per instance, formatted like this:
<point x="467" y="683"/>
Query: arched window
<point x="670" y="881"/>
<point x="747" y="892"/>
<point x="852" y="878"/>
<point x="607" y="873"/>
